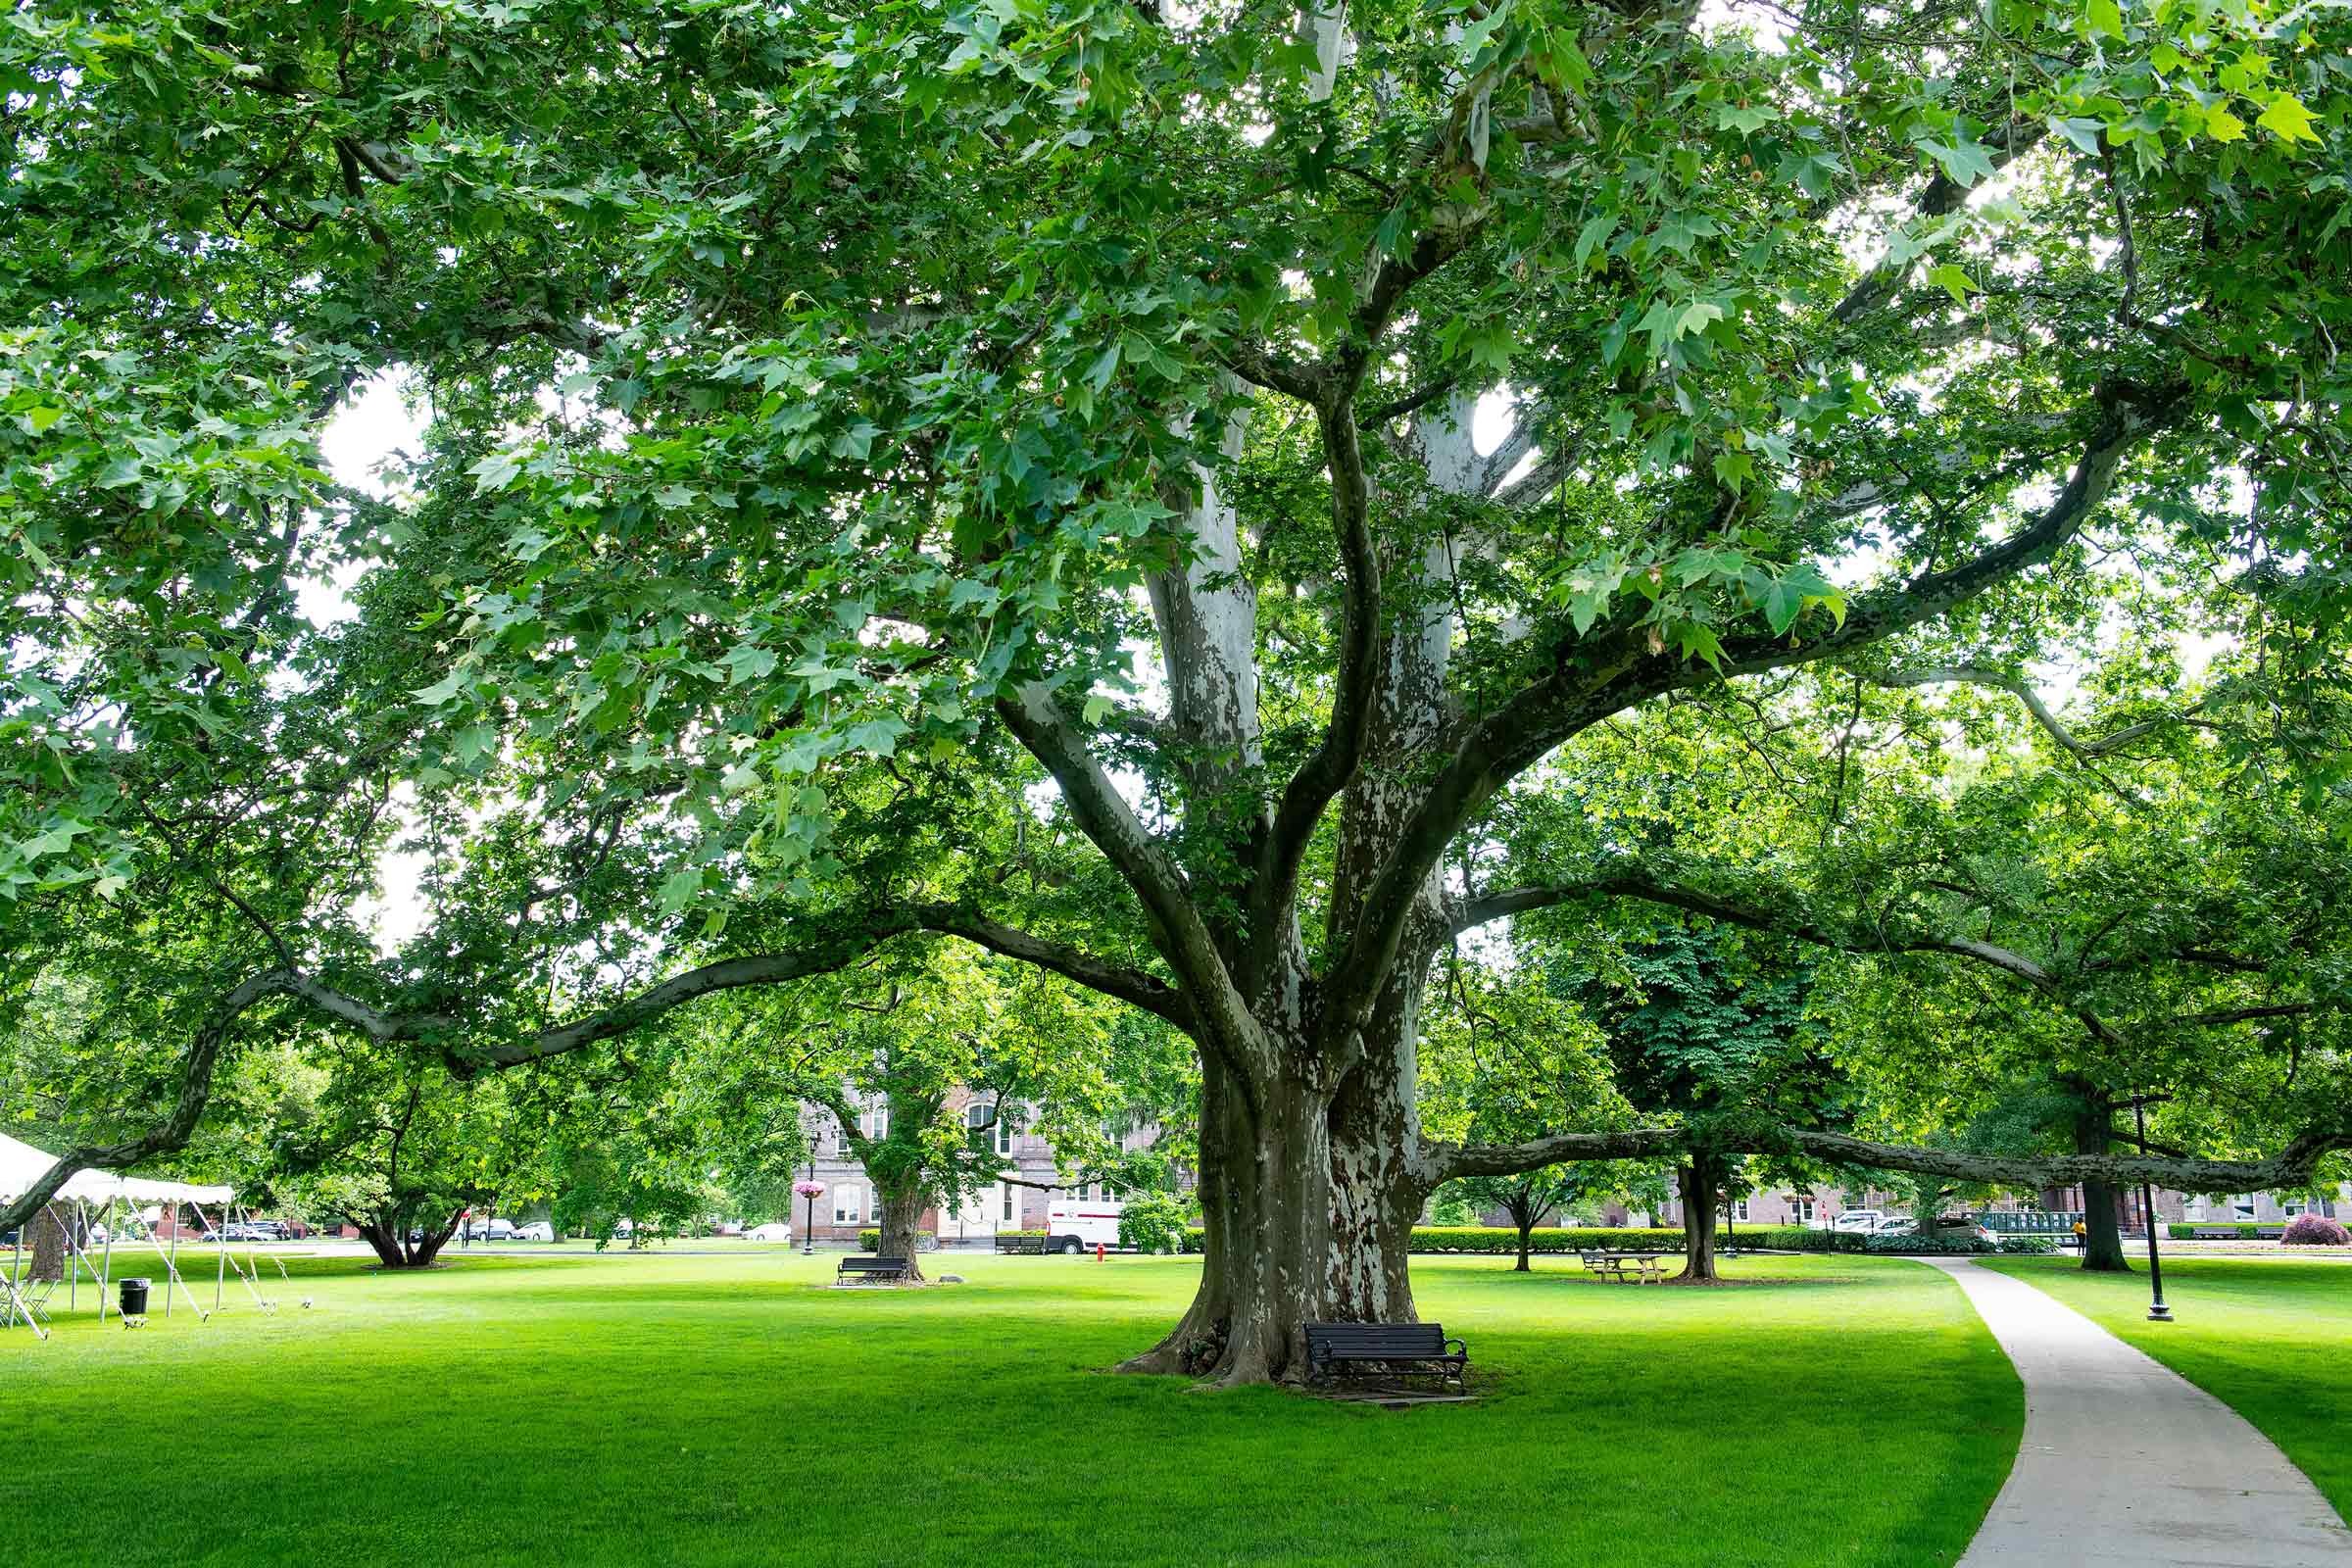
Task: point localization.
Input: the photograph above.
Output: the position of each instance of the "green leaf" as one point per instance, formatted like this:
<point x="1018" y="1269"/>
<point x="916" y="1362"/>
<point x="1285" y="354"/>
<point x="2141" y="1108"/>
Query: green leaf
<point x="2288" y="119"/>
<point x="494" y="472"/>
<point x="1695" y="318"/>
<point x="2084" y="134"/>
<point x="1954" y="280"/>
<point x="1592" y="236"/>
<point x="1964" y="162"/>
<point x="1098" y="374"/>
<point x="681" y="887"/>
<point x="38" y="420"/>
<point x="441" y="691"/>
<point x="747" y="661"/>
<point x="2103" y="19"/>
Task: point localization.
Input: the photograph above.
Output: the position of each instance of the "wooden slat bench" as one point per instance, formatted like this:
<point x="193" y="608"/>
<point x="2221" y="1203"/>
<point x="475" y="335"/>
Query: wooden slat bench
<point x="2214" y="1233"/>
<point x="875" y="1268"/>
<point x="1021" y="1244"/>
<point x="1399" y="1349"/>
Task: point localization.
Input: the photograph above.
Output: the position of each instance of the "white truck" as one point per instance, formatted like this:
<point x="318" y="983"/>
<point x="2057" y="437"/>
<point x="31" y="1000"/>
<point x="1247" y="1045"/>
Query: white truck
<point x="1078" y="1224"/>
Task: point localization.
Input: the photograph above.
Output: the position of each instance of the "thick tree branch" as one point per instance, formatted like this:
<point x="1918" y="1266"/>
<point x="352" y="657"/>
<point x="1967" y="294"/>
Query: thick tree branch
<point x="1218" y="1017"/>
<point x="195" y="1087"/>
<point x="1942" y="196"/>
<point x="1635" y="884"/>
<point x="1614" y="668"/>
<point x="1362" y="638"/>
<point x="2292" y="1167"/>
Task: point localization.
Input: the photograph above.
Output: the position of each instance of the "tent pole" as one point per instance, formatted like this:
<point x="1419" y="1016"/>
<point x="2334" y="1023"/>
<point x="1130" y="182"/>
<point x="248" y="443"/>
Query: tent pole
<point x="172" y="1261"/>
<point x="106" y="1265"/>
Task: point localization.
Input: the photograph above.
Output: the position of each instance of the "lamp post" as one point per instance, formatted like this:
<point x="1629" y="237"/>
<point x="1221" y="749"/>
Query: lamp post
<point x="811" y="1190"/>
<point x="2158" y="1312"/>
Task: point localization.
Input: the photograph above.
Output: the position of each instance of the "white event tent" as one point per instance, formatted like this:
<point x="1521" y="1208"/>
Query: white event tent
<point x="22" y="1165"/>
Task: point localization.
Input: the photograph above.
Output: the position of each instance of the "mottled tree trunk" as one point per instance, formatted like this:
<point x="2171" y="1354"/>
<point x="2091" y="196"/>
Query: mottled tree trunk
<point x="1698" y="1182"/>
<point x="1306" y="1209"/>
<point x="2102" y="1238"/>
<point x="45" y="1237"/>
<point x="900" y="1226"/>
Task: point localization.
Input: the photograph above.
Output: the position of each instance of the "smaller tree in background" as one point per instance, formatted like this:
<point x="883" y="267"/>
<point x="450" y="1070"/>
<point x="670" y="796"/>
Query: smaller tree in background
<point x="390" y="1142"/>
<point x="1707" y="1024"/>
<point x="1506" y="1056"/>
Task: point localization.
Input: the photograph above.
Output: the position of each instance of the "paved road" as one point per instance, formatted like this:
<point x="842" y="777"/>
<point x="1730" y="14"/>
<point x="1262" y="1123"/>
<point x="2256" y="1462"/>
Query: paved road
<point x="2126" y="1464"/>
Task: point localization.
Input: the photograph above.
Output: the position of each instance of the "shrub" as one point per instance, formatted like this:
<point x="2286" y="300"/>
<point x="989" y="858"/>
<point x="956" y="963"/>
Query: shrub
<point x="1941" y="1246"/>
<point x="2314" y="1230"/>
<point x="1504" y="1242"/>
<point x="870" y="1240"/>
<point x="2247" y="1230"/>
<point x="1797" y="1239"/>
<point x="1152" y="1224"/>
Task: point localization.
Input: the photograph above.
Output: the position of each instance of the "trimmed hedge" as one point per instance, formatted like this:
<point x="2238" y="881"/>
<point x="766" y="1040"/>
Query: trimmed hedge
<point x="2248" y="1230"/>
<point x="924" y="1241"/>
<point x="1500" y="1241"/>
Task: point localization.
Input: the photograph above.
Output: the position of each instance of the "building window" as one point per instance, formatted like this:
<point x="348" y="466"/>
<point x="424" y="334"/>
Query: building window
<point x="1739" y="1210"/>
<point x="1800" y="1210"/>
<point x="875" y="1120"/>
<point x="1010" y="1204"/>
<point x="1008" y="1121"/>
<point x="847" y="1201"/>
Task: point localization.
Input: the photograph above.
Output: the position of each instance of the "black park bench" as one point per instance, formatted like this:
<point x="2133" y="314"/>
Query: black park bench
<point x="1021" y="1244"/>
<point x="879" y="1268"/>
<point x="1419" y="1348"/>
<point x="2212" y="1232"/>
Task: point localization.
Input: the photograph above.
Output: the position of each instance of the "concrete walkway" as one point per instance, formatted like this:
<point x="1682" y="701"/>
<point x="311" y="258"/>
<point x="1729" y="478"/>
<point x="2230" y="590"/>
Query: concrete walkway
<point x="2126" y="1464"/>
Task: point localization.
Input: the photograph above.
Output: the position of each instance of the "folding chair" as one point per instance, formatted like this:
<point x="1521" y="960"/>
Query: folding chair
<point x="29" y="1301"/>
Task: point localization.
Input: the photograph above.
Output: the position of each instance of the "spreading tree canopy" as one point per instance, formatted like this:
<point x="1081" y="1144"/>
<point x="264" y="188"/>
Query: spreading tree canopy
<point x="1011" y="472"/>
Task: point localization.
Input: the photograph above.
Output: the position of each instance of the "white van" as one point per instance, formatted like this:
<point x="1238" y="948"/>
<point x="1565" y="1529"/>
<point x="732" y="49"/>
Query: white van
<point x="1076" y="1223"/>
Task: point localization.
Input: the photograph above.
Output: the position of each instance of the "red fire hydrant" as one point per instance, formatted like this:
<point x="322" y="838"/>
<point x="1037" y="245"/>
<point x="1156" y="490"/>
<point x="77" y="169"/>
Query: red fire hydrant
<point x="1099" y="1256"/>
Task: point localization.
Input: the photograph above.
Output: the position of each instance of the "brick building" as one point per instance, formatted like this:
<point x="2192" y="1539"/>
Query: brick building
<point x="1017" y="1202"/>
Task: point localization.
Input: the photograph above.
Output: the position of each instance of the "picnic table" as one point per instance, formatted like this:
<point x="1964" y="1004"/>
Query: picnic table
<point x="1646" y="1269"/>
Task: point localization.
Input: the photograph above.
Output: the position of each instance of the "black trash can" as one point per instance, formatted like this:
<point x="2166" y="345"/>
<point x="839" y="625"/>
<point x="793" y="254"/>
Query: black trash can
<point x="134" y="1297"/>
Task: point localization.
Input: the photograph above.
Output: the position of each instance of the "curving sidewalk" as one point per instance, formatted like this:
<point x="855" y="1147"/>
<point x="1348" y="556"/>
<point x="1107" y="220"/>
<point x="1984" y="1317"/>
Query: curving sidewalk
<point x="2127" y="1463"/>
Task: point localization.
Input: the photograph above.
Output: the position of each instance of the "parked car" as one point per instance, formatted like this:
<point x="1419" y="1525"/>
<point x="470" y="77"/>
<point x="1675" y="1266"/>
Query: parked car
<point x="1895" y="1225"/>
<point x="537" y="1230"/>
<point x="1958" y="1228"/>
<point x="770" y="1232"/>
<point x="493" y="1229"/>
<point x="1858" y="1221"/>
<point x="268" y="1230"/>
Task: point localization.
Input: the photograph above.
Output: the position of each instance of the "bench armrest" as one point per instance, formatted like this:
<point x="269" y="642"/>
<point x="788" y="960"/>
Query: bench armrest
<point x="1459" y="1348"/>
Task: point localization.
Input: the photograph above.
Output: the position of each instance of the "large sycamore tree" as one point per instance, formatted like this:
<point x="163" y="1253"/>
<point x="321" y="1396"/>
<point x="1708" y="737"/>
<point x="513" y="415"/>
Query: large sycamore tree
<point x="1012" y="471"/>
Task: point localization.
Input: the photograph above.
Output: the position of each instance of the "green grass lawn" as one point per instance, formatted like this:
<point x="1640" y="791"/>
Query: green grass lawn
<point x="2267" y="1337"/>
<point x="679" y="1409"/>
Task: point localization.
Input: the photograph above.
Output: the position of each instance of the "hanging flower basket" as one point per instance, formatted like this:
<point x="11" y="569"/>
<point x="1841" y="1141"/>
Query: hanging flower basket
<point x="809" y="1188"/>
